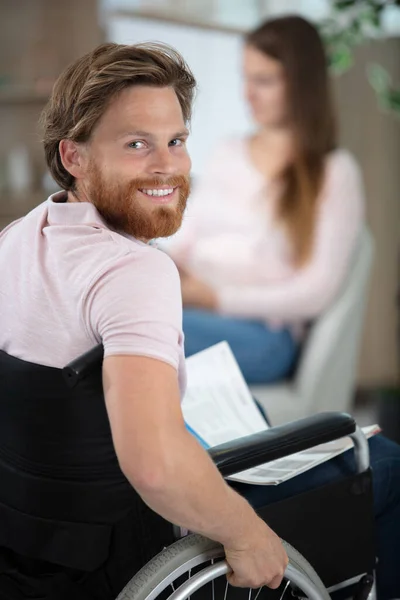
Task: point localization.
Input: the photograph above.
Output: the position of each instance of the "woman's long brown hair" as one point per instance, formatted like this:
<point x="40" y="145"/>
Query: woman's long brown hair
<point x="296" y="44"/>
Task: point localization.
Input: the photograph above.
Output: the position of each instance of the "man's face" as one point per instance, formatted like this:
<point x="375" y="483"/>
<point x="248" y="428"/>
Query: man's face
<point x="137" y="165"/>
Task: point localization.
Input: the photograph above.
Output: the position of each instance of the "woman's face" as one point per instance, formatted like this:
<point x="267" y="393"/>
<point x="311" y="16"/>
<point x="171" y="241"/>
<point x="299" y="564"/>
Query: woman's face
<point x="265" y="88"/>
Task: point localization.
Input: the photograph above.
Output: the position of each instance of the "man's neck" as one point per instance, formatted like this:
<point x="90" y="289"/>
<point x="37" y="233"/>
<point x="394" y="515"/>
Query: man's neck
<point x="77" y="197"/>
<point x="71" y="197"/>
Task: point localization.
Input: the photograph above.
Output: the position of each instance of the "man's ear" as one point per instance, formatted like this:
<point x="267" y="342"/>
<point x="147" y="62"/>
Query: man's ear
<point x="73" y="158"/>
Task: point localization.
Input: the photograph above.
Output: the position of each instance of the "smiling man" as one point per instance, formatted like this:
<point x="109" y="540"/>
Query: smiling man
<point x="137" y="180"/>
<point x="77" y="271"/>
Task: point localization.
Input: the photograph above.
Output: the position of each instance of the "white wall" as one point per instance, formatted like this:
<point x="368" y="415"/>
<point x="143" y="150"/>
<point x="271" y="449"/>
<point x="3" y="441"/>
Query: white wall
<point x="215" y="59"/>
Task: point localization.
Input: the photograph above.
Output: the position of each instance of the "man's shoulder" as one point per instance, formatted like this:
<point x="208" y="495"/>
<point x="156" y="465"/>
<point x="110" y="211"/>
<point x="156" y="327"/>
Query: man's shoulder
<point x="126" y="260"/>
<point x="136" y="286"/>
<point x="131" y="251"/>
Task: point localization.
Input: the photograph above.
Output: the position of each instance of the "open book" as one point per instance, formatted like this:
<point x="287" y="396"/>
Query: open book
<point x="218" y="407"/>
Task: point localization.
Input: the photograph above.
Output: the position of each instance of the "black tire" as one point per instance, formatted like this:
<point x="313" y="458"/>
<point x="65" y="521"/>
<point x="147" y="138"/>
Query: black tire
<point x="192" y="551"/>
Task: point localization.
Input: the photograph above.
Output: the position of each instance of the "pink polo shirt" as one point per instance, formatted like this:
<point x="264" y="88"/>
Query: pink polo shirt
<point x="69" y="282"/>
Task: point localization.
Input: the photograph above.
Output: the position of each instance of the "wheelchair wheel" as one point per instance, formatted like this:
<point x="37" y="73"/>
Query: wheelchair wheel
<point x="194" y="565"/>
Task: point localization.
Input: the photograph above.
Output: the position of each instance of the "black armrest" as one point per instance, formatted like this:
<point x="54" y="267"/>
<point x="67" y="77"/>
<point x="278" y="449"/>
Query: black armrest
<point x="253" y="450"/>
<point x="83" y="366"/>
<point x="277" y="442"/>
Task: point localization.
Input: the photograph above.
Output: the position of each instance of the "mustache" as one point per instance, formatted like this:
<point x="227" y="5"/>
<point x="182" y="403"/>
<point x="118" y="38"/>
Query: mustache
<point x="153" y="182"/>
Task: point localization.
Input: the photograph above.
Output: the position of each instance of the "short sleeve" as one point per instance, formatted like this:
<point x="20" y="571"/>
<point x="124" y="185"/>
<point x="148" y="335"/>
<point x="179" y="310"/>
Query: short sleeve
<point x="135" y="307"/>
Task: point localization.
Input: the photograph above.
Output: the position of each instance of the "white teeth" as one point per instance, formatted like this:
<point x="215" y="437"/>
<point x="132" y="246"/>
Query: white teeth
<point x="158" y="192"/>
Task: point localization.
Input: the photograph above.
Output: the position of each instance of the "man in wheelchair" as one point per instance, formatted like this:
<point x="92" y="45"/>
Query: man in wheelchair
<point x="89" y="488"/>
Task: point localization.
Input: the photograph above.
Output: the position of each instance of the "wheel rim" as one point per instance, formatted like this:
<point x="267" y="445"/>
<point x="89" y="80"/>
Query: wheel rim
<point x="172" y="568"/>
<point x="209" y="574"/>
<point x="185" y="567"/>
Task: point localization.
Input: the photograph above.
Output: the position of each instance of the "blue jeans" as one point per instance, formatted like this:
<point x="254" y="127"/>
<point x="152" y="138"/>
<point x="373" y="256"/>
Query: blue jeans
<point x="385" y="462"/>
<point x="264" y="355"/>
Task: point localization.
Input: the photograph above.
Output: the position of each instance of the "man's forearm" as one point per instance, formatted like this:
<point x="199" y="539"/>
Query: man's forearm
<point x="193" y="494"/>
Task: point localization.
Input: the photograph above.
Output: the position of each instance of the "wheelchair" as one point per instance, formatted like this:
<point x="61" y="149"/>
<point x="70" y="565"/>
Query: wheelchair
<point x="328" y="531"/>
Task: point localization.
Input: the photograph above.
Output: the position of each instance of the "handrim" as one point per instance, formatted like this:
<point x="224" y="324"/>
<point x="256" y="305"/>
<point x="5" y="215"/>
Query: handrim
<point x="194" y="550"/>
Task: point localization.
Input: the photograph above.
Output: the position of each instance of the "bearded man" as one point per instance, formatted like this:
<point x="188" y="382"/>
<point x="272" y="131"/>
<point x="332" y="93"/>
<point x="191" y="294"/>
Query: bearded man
<point x="78" y="271"/>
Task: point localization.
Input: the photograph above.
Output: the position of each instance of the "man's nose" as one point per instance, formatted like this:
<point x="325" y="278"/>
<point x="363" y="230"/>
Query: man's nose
<point x="162" y="162"/>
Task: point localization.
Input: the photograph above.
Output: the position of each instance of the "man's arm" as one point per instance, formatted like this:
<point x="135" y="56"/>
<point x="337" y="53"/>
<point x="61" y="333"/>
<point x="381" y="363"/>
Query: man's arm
<point x="174" y="475"/>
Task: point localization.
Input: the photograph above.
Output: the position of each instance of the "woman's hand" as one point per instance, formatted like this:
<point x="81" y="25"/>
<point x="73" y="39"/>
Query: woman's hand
<point x="196" y="293"/>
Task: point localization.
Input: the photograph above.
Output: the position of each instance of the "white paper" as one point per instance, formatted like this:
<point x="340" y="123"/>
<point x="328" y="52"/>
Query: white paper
<point x="219" y="407"/>
<point x="281" y="470"/>
<point x="218" y="404"/>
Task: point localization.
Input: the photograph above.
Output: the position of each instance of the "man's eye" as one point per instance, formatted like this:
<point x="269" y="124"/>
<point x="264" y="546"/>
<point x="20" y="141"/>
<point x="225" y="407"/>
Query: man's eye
<point x="136" y="145"/>
<point x="176" y="142"/>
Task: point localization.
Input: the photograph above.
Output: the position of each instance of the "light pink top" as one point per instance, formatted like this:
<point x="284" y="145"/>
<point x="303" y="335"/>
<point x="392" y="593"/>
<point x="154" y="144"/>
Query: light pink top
<point x="68" y="282"/>
<point x="231" y="239"/>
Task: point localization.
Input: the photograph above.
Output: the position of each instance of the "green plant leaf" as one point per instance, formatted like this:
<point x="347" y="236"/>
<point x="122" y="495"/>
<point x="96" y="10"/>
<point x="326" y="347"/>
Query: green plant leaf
<point x="340" y="59"/>
<point x="361" y="22"/>
<point x="343" y="4"/>
<point x="378" y="77"/>
<point x="393" y="102"/>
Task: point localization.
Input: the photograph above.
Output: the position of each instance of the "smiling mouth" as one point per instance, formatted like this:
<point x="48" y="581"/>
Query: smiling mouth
<point x="158" y="192"/>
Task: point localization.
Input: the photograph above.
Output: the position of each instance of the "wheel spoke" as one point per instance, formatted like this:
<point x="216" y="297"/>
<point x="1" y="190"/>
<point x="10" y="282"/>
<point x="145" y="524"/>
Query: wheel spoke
<point x="258" y="593"/>
<point x="212" y="585"/>
<point x="285" y="588"/>
<point x="226" y="590"/>
<point x="167" y="572"/>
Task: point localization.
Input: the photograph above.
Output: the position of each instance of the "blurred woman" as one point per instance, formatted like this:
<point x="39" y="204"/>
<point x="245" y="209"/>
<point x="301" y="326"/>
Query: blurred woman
<point x="274" y="220"/>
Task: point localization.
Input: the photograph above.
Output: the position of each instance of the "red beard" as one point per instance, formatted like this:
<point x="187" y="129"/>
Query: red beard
<point x="117" y="203"/>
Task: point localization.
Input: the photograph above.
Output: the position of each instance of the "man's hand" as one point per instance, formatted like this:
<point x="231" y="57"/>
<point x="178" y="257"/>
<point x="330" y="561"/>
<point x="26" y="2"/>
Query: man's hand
<point x="257" y="559"/>
<point x="175" y="476"/>
<point x="197" y="294"/>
